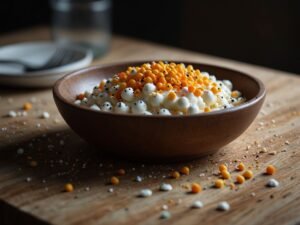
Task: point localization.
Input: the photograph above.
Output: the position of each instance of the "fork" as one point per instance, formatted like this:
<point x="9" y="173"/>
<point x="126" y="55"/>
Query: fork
<point x="60" y="57"/>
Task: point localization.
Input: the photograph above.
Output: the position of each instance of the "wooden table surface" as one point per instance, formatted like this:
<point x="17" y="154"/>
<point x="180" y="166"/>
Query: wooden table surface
<point x="32" y="194"/>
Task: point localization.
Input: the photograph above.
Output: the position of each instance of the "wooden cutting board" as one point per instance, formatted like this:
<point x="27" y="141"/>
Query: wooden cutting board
<point x="33" y="194"/>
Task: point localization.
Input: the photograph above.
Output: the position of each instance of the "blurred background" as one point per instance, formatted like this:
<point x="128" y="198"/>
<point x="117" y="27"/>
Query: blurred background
<point x="265" y="32"/>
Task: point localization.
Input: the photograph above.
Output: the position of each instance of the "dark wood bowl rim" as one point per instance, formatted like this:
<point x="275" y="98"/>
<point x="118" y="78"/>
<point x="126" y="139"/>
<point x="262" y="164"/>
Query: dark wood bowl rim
<point x="260" y="95"/>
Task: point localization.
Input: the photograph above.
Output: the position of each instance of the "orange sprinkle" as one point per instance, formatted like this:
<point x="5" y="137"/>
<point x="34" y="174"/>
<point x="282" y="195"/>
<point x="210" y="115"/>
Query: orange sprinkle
<point x="27" y="106"/>
<point x="80" y="96"/>
<point x="240" y="179"/>
<point x="222" y="167"/>
<point x="270" y="170"/>
<point x="175" y="174"/>
<point x="114" y="180"/>
<point x="196" y="188"/>
<point x="69" y="187"/>
<point x="219" y="183"/>
<point x="240" y="167"/>
<point x="225" y="174"/>
<point x="171" y="96"/>
<point x="248" y="174"/>
<point x="185" y="170"/>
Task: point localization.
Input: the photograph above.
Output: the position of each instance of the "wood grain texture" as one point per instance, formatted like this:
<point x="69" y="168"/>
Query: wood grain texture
<point x="63" y="157"/>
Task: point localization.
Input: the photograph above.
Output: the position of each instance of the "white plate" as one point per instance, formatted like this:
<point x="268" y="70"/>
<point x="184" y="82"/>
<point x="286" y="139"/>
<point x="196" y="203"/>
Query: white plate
<point x="36" y="53"/>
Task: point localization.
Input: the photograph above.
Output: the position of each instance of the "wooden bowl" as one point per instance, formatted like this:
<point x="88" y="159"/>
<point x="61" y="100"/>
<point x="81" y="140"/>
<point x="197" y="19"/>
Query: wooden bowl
<point x="157" y="138"/>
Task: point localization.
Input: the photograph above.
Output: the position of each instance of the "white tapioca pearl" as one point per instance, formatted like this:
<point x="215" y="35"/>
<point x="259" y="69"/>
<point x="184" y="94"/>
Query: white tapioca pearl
<point x="272" y="183"/>
<point x="106" y="107"/>
<point x="182" y="103"/>
<point x="223" y="206"/>
<point x="165" y="187"/>
<point x="95" y="107"/>
<point x="164" y="112"/>
<point x="193" y="99"/>
<point x="145" y="193"/>
<point x="193" y="109"/>
<point x="101" y="97"/>
<point x="185" y="90"/>
<point x="121" y="107"/>
<point x="114" y="89"/>
<point x="212" y="78"/>
<point x="87" y="94"/>
<point x="228" y="84"/>
<point x="128" y="94"/>
<point x="12" y="113"/>
<point x="139" y="107"/>
<point x="147" y="113"/>
<point x="77" y="102"/>
<point x="156" y="99"/>
<point x="45" y="115"/>
<point x="200" y="103"/>
<point x="197" y="205"/>
<point x="149" y="88"/>
<point x="209" y="98"/>
<point x="205" y="74"/>
<point x="96" y="90"/>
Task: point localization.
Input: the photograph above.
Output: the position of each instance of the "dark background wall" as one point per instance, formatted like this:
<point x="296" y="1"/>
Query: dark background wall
<point x="264" y="32"/>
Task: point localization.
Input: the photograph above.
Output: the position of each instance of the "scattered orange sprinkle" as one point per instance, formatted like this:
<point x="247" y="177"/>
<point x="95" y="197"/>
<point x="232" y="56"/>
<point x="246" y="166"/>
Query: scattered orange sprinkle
<point x="222" y="167"/>
<point x="270" y="170"/>
<point x="80" y="96"/>
<point x="185" y="170"/>
<point x="69" y="187"/>
<point x="248" y="174"/>
<point x="196" y="188"/>
<point x="240" y="167"/>
<point x="114" y="180"/>
<point x="225" y="174"/>
<point x="175" y="174"/>
<point x="240" y="179"/>
<point x="219" y="183"/>
<point x="27" y="106"/>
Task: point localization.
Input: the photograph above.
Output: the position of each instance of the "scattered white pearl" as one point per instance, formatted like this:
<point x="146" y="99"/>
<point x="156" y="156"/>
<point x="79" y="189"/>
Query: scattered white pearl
<point x="213" y="78"/>
<point x="138" y="179"/>
<point x="272" y="183"/>
<point x="165" y="214"/>
<point x="87" y="94"/>
<point x="197" y="205"/>
<point x="164" y="112"/>
<point x="223" y="206"/>
<point x="111" y="190"/>
<point x="101" y="97"/>
<point x="149" y="88"/>
<point x="95" y="107"/>
<point x="45" y="115"/>
<point x="121" y="107"/>
<point x="228" y="84"/>
<point x="128" y="94"/>
<point x="28" y="179"/>
<point x="156" y="99"/>
<point x="145" y="193"/>
<point x="106" y="107"/>
<point x="139" y="107"/>
<point x="20" y="151"/>
<point x="12" y="114"/>
<point x="165" y="207"/>
<point x="147" y="113"/>
<point x="193" y="109"/>
<point x="77" y="102"/>
<point x="183" y="103"/>
<point x="209" y="98"/>
<point x="165" y="187"/>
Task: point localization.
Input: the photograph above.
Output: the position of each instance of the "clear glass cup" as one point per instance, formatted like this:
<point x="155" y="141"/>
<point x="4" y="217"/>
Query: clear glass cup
<point x="82" y="22"/>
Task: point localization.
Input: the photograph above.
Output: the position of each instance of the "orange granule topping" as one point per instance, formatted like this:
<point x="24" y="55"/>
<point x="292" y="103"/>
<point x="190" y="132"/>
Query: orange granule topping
<point x="165" y="76"/>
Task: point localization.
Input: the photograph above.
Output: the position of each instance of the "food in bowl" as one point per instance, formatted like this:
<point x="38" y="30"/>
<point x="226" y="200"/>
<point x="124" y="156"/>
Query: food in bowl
<point x="161" y="88"/>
